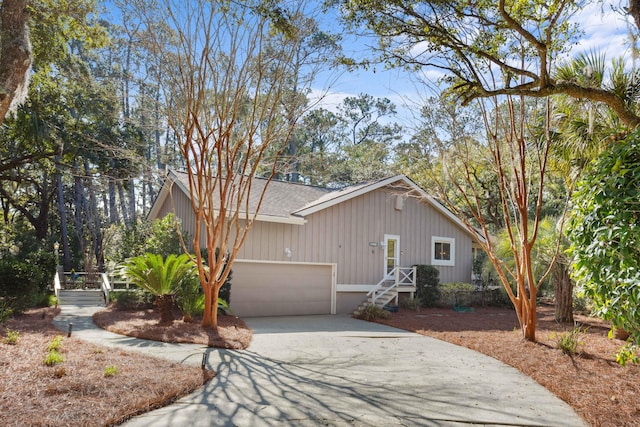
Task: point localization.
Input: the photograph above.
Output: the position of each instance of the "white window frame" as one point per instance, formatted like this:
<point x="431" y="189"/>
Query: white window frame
<point x="452" y="243"/>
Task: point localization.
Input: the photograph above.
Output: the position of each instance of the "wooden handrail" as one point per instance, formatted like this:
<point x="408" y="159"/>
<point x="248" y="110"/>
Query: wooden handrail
<point x="398" y="276"/>
<point x="105" y="286"/>
<point x="56" y="284"/>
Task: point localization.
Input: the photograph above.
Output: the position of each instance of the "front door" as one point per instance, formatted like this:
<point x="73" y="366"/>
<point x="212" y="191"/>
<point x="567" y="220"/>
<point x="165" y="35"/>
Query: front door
<point x="391" y="252"/>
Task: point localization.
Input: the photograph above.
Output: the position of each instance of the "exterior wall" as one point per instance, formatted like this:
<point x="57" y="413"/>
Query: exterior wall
<point x="347" y="302"/>
<point x="182" y="207"/>
<point x="343" y="234"/>
<point x="349" y="235"/>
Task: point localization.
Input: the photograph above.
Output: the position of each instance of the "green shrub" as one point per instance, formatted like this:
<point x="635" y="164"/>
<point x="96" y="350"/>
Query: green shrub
<point x="605" y="236"/>
<point x="56" y="343"/>
<point x="157" y="237"/>
<point x="456" y="293"/>
<point x="6" y="311"/>
<point x="498" y="297"/>
<point x="11" y="337"/>
<point x="135" y="299"/>
<point x="110" y="371"/>
<point x="427" y="279"/>
<point x="24" y="278"/>
<point x="190" y="298"/>
<point x="372" y="312"/>
<point x="627" y="354"/>
<point x="53" y="358"/>
<point x="46" y="300"/>
<point x="569" y="342"/>
<point x="413" y="304"/>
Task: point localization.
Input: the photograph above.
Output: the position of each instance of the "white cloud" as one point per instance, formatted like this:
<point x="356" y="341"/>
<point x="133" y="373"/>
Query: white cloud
<point x="604" y="31"/>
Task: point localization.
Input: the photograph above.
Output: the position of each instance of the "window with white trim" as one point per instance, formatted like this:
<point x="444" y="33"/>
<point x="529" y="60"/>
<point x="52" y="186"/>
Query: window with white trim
<point x="443" y="251"/>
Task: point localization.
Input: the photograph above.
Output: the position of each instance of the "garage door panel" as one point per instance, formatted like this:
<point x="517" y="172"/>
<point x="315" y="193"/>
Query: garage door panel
<point x="279" y="289"/>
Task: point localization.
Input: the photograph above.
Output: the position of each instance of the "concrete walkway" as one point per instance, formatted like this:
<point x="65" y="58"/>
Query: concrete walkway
<point x="339" y="371"/>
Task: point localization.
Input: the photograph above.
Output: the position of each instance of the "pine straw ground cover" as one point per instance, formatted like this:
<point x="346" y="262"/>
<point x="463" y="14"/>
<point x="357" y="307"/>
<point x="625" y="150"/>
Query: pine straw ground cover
<point x="602" y="392"/>
<point x="232" y="332"/>
<point x="79" y="391"/>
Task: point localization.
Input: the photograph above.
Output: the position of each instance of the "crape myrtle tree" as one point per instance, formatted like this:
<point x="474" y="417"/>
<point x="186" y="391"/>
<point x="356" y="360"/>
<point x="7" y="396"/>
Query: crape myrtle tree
<point x="500" y="49"/>
<point x="500" y="54"/>
<point x="516" y="150"/>
<point x="229" y="91"/>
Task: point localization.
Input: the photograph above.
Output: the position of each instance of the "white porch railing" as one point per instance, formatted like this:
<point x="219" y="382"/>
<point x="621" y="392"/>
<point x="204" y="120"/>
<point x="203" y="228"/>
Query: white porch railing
<point x="105" y="286"/>
<point x="56" y="284"/>
<point x="398" y="277"/>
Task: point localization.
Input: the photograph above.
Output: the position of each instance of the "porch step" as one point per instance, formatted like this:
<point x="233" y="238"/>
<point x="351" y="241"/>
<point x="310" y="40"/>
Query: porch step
<point x="81" y="297"/>
<point x="380" y="302"/>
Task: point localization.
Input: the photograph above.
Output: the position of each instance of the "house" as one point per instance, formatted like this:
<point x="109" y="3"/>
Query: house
<point x="320" y="251"/>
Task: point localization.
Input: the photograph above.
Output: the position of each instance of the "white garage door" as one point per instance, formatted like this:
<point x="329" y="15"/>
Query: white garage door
<point x="282" y="289"/>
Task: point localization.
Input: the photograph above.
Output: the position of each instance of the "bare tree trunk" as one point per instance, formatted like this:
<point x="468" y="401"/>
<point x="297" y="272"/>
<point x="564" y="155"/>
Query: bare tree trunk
<point x="156" y="131"/>
<point x="79" y="206"/>
<point x="132" y="201"/>
<point x="113" y="210"/>
<point x="123" y="204"/>
<point x="93" y="220"/>
<point x="66" y="255"/>
<point x="15" y="53"/>
<point x="563" y="292"/>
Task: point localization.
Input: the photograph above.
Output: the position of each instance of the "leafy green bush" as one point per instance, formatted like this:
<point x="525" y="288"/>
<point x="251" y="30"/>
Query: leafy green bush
<point x="569" y="342"/>
<point x="6" y="311"/>
<point x="24" y="279"/>
<point x="413" y="304"/>
<point x="427" y="279"/>
<point x="158" y="237"/>
<point x="604" y="230"/>
<point x="53" y="358"/>
<point x="190" y="298"/>
<point x="56" y="343"/>
<point x="456" y="293"/>
<point x="372" y="312"/>
<point x="11" y="337"/>
<point x="134" y="299"/>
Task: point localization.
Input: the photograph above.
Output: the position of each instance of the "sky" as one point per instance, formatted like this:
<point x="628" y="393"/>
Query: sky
<point x="604" y="31"/>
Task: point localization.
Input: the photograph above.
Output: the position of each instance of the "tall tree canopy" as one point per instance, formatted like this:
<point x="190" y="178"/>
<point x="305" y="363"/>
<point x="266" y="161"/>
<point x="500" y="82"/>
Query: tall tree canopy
<point x="15" y="53"/>
<point x="484" y="48"/>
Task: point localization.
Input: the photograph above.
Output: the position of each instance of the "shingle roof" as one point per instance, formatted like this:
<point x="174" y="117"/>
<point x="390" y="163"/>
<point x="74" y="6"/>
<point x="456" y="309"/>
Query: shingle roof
<point x="286" y="201"/>
<point x="281" y="198"/>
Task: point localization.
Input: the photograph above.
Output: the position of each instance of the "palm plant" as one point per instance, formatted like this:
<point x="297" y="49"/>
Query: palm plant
<point x="161" y="277"/>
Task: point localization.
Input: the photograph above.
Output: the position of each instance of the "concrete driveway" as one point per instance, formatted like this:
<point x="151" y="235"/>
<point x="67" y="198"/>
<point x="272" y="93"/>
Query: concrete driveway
<point x="336" y="371"/>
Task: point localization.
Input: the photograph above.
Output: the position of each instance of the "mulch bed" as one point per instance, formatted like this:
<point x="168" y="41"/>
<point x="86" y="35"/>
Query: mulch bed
<point x="232" y="332"/>
<point x="602" y="392"/>
<point x="78" y="391"/>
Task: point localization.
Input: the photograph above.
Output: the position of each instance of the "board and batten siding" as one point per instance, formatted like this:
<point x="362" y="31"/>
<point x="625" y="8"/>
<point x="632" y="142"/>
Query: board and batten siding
<point x="344" y="234"/>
